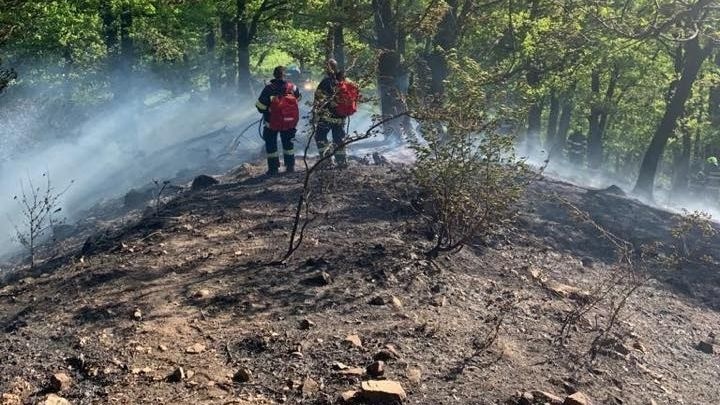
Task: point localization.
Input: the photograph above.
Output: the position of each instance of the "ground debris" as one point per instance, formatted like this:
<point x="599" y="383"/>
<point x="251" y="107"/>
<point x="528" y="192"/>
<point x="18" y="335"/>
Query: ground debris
<point x="382" y="391"/>
<point x="577" y="398"/>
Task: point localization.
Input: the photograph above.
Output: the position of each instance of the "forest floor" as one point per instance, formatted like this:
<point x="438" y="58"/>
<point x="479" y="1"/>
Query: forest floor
<point x="179" y="309"/>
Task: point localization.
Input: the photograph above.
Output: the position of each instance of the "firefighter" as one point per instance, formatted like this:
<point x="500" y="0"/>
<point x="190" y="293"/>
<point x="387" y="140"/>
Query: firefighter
<point x="335" y="100"/>
<point x="279" y="105"/>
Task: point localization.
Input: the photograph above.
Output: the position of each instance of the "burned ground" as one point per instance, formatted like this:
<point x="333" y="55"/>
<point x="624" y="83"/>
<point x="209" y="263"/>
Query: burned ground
<point x="120" y="310"/>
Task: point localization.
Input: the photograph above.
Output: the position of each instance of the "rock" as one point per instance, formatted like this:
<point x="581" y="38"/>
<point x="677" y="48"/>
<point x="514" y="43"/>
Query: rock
<point x="526" y="398"/>
<point x="396" y="303"/>
<point x="586" y="261"/>
<point x="336" y="365"/>
<point x="53" y="399"/>
<point x="243" y="375"/>
<point x="378" y="300"/>
<point x="197" y="348"/>
<point x="10" y="399"/>
<point x="177" y="375"/>
<point x="310" y="387"/>
<point x="244" y="170"/>
<point x="60" y="382"/>
<point x="353" y="372"/>
<point x="414" y="375"/>
<point x="386" y="355"/>
<point x="20" y="387"/>
<point x="348" y="396"/>
<point x="203" y="293"/>
<point x="306" y="324"/>
<point x="614" y="348"/>
<point x="639" y="347"/>
<point x="384" y="391"/>
<point x="577" y="398"/>
<point x="705" y="347"/>
<point x="137" y="315"/>
<point x="377" y="369"/>
<point x="144" y="370"/>
<point x="202" y="182"/>
<point x="614" y="190"/>
<point x="162" y="348"/>
<point x="319" y="280"/>
<point x="569" y="387"/>
<point x="546" y="397"/>
<point x="439" y="301"/>
<point x="566" y="291"/>
<point x="353" y="340"/>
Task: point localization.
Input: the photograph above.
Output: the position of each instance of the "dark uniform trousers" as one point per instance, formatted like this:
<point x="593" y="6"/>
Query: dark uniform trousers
<point x="337" y="127"/>
<point x="271" y="149"/>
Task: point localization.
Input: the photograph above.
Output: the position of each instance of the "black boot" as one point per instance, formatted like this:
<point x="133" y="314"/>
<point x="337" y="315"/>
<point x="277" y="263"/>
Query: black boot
<point x="340" y="159"/>
<point x="289" y="161"/>
<point x="273" y="166"/>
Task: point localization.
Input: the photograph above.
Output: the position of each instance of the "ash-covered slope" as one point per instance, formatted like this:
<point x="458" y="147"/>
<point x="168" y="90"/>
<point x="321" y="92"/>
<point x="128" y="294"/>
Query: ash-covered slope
<point x="179" y="309"/>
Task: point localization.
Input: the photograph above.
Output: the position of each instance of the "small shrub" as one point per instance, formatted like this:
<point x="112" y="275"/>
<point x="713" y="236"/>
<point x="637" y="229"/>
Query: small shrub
<point x="39" y="205"/>
<point x="468" y="173"/>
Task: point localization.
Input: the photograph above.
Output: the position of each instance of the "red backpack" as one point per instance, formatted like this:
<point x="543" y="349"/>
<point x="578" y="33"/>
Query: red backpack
<point x="284" y="110"/>
<point x="347" y="95"/>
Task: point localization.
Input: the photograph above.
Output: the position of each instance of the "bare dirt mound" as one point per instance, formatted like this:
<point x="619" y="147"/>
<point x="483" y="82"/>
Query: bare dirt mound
<point x="178" y="309"/>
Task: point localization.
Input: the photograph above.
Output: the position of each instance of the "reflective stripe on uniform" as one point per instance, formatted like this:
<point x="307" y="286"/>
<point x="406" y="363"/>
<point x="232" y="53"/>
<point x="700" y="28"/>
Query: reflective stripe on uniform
<point x="289" y="152"/>
<point x="261" y="106"/>
<point x="274" y="154"/>
<point x="331" y="120"/>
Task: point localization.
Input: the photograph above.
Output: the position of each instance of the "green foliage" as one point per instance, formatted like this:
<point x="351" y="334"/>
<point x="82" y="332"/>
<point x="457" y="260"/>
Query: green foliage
<point x="469" y="176"/>
<point x="520" y="52"/>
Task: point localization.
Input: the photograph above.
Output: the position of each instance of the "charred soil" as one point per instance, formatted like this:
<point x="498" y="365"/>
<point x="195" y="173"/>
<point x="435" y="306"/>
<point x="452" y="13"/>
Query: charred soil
<point x="178" y="308"/>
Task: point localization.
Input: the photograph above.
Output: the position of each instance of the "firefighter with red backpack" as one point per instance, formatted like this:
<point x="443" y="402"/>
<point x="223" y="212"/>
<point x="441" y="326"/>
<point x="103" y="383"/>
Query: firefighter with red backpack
<point x="279" y="104"/>
<point x="336" y="99"/>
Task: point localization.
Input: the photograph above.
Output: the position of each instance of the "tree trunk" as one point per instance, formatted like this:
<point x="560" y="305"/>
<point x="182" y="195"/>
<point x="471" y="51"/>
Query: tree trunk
<point x="695" y="55"/>
<point x="243" y="48"/>
<point x="599" y="114"/>
<point x="243" y="54"/>
<point x="698" y="151"/>
<point x="567" y="105"/>
<point x="212" y="66"/>
<point x="445" y="39"/>
<point x="714" y="107"/>
<point x="553" y="116"/>
<point x="125" y="58"/>
<point x="110" y="37"/>
<point x="594" y="145"/>
<point x="682" y="165"/>
<point x="330" y="42"/>
<point x="534" y="122"/>
<point x="127" y="48"/>
<point x="228" y="32"/>
<point x="339" y="41"/>
<point x="389" y="67"/>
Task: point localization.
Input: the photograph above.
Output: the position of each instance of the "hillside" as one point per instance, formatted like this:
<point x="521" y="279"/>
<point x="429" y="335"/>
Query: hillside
<point x="181" y="310"/>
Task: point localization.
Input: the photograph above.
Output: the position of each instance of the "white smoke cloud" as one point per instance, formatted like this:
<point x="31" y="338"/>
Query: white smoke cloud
<point x="124" y="147"/>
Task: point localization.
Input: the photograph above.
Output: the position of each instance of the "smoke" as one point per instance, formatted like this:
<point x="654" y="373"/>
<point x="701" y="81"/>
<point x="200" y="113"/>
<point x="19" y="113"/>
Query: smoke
<point x="558" y="168"/>
<point x="111" y="151"/>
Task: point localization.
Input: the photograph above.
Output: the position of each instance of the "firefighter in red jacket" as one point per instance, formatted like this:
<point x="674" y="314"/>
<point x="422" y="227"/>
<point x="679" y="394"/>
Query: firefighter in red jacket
<point x="279" y="105"/>
<point x="333" y="105"/>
